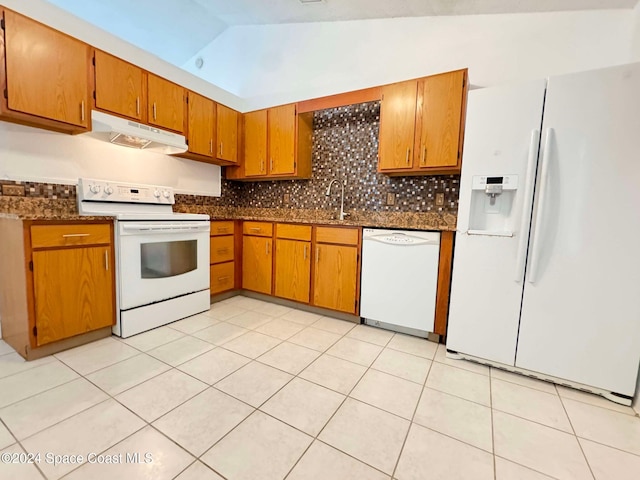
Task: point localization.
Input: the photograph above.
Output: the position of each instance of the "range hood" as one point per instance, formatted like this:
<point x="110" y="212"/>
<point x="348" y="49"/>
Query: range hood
<point x="121" y="131"/>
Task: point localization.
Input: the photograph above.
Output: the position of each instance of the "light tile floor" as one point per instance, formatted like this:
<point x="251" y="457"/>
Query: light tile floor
<point x="256" y="391"/>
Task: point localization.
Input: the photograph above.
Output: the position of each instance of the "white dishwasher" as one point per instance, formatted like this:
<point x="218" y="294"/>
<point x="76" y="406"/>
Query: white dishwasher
<point x="399" y="279"/>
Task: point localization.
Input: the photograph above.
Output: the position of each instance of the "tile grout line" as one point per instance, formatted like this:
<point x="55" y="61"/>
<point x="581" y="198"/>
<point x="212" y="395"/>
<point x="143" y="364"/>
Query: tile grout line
<point x="411" y="422"/>
<point x="564" y="408"/>
<point x="493" y="435"/>
<point x="336" y="411"/>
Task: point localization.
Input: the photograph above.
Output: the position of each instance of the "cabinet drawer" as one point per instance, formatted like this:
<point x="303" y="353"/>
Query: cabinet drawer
<point x="260" y="229"/>
<point x="222" y="249"/>
<point x="222" y="228"/>
<point x="69" y="235"/>
<point x="343" y="236"/>
<point x="222" y="277"/>
<point x="293" y="232"/>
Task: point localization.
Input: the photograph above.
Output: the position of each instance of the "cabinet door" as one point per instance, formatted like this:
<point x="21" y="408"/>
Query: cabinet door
<point x="47" y="71"/>
<point x="221" y="277"/>
<point x="118" y="86"/>
<point x="282" y="140"/>
<point x="201" y="127"/>
<point x="441" y="120"/>
<point x="166" y="103"/>
<point x="73" y="292"/>
<point x="255" y="143"/>
<point x="335" y="277"/>
<point x="227" y="134"/>
<point x="397" y="125"/>
<point x="293" y="270"/>
<point x="256" y="264"/>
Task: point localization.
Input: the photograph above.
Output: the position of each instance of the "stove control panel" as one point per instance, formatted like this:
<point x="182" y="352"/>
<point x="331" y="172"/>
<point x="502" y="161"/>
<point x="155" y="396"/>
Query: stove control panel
<point x="107" y="191"/>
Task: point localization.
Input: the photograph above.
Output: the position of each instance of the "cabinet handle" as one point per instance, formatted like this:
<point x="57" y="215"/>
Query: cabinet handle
<point x="262" y="166"/>
<point x="222" y="229"/>
<point x="304" y="254"/>
<point x="408" y="152"/>
<point x="70" y="235"/>
<point x="82" y="110"/>
<point x="317" y="255"/>
<point x="106" y="260"/>
<point x="266" y="248"/>
<point x="424" y="156"/>
<point x="220" y="148"/>
<point x="211" y="145"/>
<point x="255" y="229"/>
<point x="222" y="250"/>
<point x="137" y="105"/>
<point x="155" y="111"/>
<point x="271" y="164"/>
<point x="222" y="279"/>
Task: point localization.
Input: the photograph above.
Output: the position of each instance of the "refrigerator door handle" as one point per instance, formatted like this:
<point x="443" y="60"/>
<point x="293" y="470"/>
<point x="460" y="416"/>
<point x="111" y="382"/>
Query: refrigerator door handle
<point x="535" y="252"/>
<point x="527" y="204"/>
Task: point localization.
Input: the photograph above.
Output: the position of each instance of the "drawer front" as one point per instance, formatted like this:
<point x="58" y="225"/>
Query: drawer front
<point x="222" y="249"/>
<point x="70" y="235"/>
<point x="293" y="232"/>
<point x="342" y="236"/>
<point x="223" y="227"/>
<point x="222" y="277"/>
<point x="260" y="229"/>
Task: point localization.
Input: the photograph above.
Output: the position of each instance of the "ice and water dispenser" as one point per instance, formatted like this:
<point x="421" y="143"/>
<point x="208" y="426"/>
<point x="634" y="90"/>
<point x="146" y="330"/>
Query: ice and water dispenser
<point x="492" y="202"/>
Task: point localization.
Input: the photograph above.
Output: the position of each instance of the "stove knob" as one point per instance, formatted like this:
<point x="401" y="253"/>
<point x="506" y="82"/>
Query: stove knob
<point x="94" y="188"/>
<point x="156" y="193"/>
<point x="108" y="189"/>
<point x="165" y="193"/>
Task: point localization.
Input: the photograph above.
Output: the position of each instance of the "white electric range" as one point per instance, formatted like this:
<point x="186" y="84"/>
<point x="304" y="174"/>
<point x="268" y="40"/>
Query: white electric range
<point x="162" y="257"/>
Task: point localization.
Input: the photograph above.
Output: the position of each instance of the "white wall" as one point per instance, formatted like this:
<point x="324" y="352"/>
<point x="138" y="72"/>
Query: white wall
<point x="275" y="64"/>
<point x="38" y="155"/>
<point x="635" y="40"/>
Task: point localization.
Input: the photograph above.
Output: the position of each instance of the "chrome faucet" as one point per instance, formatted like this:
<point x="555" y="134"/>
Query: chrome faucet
<point x="328" y="192"/>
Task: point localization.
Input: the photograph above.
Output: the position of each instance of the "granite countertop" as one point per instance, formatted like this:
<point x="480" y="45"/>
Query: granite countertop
<point x="411" y="220"/>
<point x="21" y="208"/>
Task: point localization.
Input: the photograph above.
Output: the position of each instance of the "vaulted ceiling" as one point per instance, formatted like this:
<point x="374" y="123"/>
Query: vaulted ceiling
<point x="175" y="30"/>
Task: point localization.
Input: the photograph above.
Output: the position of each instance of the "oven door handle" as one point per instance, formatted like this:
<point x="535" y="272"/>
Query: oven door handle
<point x="139" y="228"/>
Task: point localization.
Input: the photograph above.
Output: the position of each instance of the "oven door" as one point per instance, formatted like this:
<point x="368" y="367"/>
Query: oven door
<point x="159" y="260"/>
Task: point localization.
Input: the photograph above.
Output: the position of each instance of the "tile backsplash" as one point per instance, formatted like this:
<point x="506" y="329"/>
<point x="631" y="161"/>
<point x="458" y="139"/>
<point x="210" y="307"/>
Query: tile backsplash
<point x="345" y="145"/>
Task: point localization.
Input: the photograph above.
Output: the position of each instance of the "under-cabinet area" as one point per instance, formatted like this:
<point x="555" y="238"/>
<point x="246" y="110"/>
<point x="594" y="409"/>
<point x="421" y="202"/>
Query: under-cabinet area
<point x="58" y="284"/>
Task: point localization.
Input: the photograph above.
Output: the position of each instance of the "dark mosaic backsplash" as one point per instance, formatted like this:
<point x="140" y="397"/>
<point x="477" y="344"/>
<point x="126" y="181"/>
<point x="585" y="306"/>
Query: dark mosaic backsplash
<point x="53" y="191"/>
<point x="345" y="145"/>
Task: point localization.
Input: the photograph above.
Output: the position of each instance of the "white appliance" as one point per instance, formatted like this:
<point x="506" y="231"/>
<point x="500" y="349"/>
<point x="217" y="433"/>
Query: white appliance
<point x="128" y="133"/>
<point x="162" y="258"/>
<point x="399" y="279"/>
<point x="546" y="274"/>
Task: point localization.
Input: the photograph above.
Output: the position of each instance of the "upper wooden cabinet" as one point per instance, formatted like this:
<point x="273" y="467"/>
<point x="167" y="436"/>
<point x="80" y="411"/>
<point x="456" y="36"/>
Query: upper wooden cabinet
<point x="166" y="103"/>
<point x="201" y="125"/>
<point x="119" y="86"/>
<point x="47" y="76"/>
<point x="421" y="125"/>
<point x="227" y="134"/>
<point x="277" y="145"/>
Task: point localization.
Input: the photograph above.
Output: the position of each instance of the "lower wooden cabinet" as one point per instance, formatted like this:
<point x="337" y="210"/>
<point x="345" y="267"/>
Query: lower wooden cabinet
<point x="73" y="292"/>
<point x="293" y="270"/>
<point x="257" y="263"/>
<point x="336" y="277"/>
<point x="58" y="288"/>
<point x="222" y="251"/>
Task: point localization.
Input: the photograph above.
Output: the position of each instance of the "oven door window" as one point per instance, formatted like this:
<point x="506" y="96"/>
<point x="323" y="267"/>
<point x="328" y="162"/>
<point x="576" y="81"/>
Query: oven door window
<point x="168" y="259"/>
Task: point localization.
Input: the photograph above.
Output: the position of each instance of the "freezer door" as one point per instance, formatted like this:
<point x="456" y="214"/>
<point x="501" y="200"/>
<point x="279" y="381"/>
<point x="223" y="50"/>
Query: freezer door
<point x="502" y="138"/>
<point x="581" y="306"/>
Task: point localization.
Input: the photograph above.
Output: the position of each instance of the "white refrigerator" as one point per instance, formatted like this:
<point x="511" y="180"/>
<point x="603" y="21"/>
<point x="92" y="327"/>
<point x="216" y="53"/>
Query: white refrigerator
<point x="546" y="270"/>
